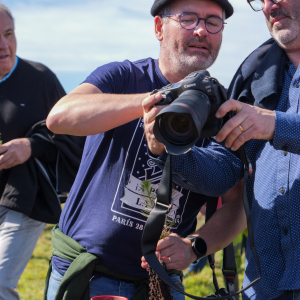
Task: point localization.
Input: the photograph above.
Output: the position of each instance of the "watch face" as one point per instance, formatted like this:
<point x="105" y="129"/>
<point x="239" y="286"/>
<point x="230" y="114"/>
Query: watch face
<point x="200" y="246"/>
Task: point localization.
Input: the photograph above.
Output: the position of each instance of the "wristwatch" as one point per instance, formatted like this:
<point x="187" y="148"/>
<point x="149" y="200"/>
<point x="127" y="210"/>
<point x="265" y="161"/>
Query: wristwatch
<point x="198" y="245"/>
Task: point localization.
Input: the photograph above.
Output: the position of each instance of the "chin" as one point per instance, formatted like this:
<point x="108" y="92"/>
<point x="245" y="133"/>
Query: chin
<point x="284" y="37"/>
<point x="4" y="69"/>
<point x="199" y="62"/>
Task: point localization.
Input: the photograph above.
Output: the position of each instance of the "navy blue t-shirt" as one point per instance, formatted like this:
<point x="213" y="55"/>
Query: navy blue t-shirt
<point x="103" y="211"/>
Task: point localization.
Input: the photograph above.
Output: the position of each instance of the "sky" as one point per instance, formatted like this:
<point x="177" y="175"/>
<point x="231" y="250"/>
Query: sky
<point x="74" y="37"/>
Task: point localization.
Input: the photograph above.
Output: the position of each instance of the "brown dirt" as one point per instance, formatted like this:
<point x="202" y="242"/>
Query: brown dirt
<point x="159" y="290"/>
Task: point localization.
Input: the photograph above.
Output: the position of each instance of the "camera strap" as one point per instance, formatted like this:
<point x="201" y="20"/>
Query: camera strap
<point x="156" y="221"/>
<point x="229" y="269"/>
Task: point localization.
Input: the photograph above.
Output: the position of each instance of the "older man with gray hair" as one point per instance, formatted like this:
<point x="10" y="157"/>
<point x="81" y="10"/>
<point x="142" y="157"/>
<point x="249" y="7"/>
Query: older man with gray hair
<point x="28" y="192"/>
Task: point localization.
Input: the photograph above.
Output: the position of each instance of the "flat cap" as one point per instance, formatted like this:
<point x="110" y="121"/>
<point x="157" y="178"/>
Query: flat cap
<point x="158" y="5"/>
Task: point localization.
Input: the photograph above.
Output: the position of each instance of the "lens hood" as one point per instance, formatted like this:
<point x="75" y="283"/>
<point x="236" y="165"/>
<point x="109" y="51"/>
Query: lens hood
<point x="192" y="107"/>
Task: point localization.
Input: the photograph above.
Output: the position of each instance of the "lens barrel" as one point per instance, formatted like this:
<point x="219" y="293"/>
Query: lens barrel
<point x="178" y="126"/>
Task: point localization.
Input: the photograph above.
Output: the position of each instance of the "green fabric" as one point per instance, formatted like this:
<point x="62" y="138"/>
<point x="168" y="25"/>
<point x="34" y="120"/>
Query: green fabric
<point x="75" y="283"/>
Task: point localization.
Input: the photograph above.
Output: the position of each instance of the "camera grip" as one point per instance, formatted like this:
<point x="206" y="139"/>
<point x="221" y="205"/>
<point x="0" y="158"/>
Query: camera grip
<point x="168" y="98"/>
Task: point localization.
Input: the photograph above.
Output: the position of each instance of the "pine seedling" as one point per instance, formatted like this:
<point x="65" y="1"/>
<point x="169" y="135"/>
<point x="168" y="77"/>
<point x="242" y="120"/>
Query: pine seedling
<point x="149" y="192"/>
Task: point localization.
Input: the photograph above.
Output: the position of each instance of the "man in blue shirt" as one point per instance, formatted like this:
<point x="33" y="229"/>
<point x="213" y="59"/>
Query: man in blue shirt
<point x="267" y="93"/>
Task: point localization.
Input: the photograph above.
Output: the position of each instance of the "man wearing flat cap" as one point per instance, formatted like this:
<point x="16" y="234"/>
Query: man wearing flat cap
<point x="103" y="219"/>
<point x="159" y="5"/>
<point x="264" y="95"/>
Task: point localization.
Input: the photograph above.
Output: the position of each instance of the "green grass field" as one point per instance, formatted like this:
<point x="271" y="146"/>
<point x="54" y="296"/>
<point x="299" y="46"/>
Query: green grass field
<point x="201" y="284"/>
<point x="31" y="284"/>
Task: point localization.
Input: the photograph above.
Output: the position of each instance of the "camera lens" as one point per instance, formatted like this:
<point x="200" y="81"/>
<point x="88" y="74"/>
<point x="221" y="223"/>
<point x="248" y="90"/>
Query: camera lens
<point x="179" y="123"/>
<point x="178" y="128"/>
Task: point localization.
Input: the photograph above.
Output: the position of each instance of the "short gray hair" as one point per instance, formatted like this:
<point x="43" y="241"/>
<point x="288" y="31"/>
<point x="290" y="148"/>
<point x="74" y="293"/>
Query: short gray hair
<point x="8" y="12"/>
<point x="165" y="11"/>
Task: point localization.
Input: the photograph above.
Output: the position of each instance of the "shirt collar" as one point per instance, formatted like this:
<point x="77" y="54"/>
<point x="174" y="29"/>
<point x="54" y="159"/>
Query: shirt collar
<point x="11" y="71"/>
<point x="290" y="69"/>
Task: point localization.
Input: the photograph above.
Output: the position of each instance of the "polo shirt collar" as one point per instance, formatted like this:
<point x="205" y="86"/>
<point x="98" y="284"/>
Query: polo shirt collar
<point x="11" y="71"/>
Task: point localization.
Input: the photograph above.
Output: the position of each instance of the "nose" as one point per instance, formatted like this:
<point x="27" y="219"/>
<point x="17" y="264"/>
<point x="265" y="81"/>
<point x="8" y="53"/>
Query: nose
<point x="269" y="6"/>
<point x="201" y="29"/>
<point x="3" y="43"/>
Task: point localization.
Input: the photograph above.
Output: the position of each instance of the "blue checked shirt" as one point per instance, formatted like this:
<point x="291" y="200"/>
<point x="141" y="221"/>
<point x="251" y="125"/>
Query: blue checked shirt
<point x="273" y="192"/>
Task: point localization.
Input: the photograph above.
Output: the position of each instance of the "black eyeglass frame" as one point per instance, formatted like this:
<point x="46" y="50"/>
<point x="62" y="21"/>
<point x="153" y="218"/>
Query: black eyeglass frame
<point x="205" y="20"/>
<point x="273" y="1"/>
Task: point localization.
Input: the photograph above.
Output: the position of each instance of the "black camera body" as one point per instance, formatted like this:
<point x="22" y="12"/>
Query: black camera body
<point x="221" y="293"/>
<point x="191" y="113"/>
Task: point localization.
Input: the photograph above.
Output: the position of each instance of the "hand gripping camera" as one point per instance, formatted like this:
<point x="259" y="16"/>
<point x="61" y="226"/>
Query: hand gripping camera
<point x="191" y="113"/>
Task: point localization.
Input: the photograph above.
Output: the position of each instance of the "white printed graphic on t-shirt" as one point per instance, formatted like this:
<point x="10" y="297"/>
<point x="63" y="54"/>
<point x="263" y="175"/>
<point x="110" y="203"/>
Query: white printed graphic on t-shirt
<point x="131" y="203"/>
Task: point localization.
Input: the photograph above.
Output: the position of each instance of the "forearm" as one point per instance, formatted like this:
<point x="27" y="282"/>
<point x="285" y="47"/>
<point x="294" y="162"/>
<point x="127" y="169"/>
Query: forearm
<point x="210" y="171"/>
<point x="226" y="223"/>
<point x="88" y="114"/>
<point x="223" y="227"/>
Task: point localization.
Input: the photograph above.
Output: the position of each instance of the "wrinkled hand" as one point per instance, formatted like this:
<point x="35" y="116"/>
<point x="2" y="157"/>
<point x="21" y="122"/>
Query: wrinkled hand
<point x="150" y="111"/>
<point x="176" y="252"/>
<point x="14" y="152"/>
<point x="250" y="122"/>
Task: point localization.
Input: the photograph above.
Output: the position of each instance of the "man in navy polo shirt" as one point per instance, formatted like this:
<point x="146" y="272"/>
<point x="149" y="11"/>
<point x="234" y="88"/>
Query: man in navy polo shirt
<point x="269" y="79"/>
<point x="103" y="214"/>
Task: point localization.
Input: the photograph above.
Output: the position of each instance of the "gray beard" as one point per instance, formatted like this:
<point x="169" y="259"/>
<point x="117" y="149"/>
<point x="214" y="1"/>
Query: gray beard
<point x="285" y="36"/>
<point x="184" y="64"/>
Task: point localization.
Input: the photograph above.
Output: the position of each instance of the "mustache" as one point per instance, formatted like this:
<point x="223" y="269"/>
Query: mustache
<point x="281" y="12"/>
<point x="198" y="39"/>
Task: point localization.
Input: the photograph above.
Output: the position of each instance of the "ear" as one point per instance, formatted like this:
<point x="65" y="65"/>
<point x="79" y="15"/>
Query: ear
<point x="158" y="27"/>
<point x="223" y="28"/>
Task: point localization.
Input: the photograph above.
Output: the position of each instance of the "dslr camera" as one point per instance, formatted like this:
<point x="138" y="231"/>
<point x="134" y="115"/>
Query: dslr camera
<point x="191" y="113"/>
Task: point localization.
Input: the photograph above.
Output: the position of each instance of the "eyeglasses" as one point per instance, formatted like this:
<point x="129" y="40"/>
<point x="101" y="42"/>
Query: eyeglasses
<point x="258" y="5"/>
<point x="190" y="21"/>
